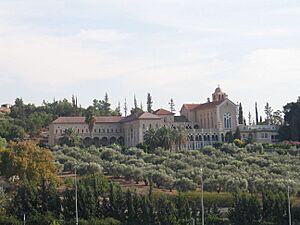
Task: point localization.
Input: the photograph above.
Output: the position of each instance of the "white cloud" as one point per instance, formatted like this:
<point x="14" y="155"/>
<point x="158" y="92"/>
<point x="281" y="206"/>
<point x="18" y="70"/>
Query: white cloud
<point x="33" y="57"/>
<point x="267" y="75"/>
<point x="272" y="65"/>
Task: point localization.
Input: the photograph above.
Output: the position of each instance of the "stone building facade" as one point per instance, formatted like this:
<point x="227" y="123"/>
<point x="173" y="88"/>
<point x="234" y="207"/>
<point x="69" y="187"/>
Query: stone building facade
<point x="206" y="123"/>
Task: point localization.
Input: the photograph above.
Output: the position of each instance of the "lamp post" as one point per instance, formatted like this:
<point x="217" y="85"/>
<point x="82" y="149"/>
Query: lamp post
<point x="289" y="206"/>
<point x="76" y="205"/>
<point x="202" y="204"/>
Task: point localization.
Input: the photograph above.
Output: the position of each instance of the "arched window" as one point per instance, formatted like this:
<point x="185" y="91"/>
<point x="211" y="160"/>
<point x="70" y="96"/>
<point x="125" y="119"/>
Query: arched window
<point x="227" y="120"/>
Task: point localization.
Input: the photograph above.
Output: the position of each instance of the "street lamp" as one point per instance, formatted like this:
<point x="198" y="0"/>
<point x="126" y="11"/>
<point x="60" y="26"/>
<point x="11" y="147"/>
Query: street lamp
<point x="289" y="206"/>
<point x="202" y="204"/>
<point x="76" y="205"/>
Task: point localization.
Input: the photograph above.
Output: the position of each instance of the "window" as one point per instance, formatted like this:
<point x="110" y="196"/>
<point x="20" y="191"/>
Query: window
<point x="144" y="126"/>
<point x="227" y="120"/>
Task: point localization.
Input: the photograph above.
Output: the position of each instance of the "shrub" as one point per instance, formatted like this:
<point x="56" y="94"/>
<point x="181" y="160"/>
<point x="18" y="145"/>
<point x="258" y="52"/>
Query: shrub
<point x="89" y="168"/>
<point x="239" y="143"/>
<point x="185" y="184"/>
<point x="9" y="220"/>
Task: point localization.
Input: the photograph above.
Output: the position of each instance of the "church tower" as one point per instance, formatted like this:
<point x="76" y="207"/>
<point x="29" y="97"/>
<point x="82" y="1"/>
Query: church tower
<point x="219" y="95"/>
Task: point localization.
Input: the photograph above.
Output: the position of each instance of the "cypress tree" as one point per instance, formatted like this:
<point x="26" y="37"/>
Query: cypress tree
<point x="172" y="105"/>
<point x="149" y="103"/>
<point x="125" y="107"/>
<point x="240" y="117"/>
<point x="106" y="105"/>
<point x="237" y="134"/>
<point x="135" y="103"/>
<point x="256" y="114"/>
<point x="145" y="210"/>
<point x="130" y="209"/>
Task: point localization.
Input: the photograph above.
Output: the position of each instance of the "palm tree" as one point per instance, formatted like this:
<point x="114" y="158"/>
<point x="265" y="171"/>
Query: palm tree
<point x="70" y="138"/>
<point x="181" y="136"/>
<point x="90" y="120"/>
<point x="166" y="137"/>
<point x="151" y="139"/>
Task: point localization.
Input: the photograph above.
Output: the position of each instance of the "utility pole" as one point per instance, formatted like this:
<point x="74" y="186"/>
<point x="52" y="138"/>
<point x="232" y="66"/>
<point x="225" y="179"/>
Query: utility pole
<point x="202" y="204"/>
<point x="289" y="206"/>
<point x="76" y="205"/>
<point x="24" y="219"/>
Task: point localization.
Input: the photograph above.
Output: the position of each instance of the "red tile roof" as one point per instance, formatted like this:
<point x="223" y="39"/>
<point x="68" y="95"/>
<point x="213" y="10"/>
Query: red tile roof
<point x="202" y="106"/>
<point x="141" y="116"/>
<point x="99" y="119"/>
<point x="162" y="112"/>
<point x="190" y="106"/>
<point x="209" y="105"/>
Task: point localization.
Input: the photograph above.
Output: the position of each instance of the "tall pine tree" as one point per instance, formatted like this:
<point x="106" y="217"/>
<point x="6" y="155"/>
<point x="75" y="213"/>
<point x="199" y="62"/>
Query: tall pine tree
<point x="172" y="105"/>
<point x="241" y="117"/>
<point x="149" y="103"/>
<point x="256" y="114"/>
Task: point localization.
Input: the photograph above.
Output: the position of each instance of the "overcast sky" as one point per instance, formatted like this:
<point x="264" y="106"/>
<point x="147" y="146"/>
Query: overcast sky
<point x="170" y="48"/>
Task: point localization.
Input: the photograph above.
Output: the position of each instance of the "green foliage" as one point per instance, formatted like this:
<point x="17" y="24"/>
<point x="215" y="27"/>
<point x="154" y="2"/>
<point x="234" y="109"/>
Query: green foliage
<point x="4" y="199"/>
<point x="239" y="143"/>
<point x="291" y="128"/>
<point x="185" y="184"/>
<point x="9" y="220"/>
<point x="10" y="130"/>
<point x="3" y="143"/>
<point x="70" y="138"/>
<point x="25" y="200"/>
<point x="166" y="138"/>
<point x="27" y="161"/>
<point x="247" y="210"/>
<point x="90" y="120"/>
<point x="229" y="168"/>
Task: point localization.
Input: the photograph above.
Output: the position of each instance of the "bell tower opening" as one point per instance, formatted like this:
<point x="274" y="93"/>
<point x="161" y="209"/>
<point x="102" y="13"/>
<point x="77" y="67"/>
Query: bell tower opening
<point x="219" y="95"/>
